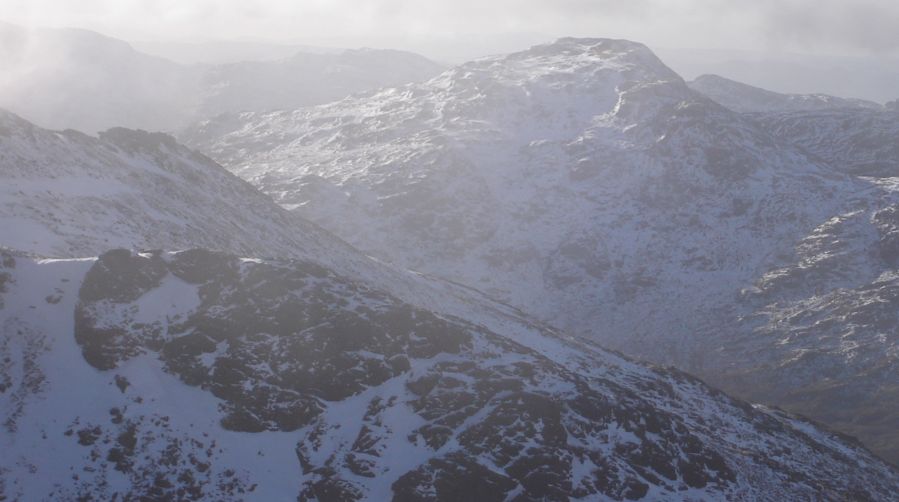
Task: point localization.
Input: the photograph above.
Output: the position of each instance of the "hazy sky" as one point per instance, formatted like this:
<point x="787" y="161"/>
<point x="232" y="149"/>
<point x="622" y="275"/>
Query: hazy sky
<point x="821" y="26"/>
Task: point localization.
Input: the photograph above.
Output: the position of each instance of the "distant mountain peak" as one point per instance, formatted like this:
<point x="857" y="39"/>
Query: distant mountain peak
<point x="602" y="46"/>
<point x="584" y="52"/>
<point x="746" y="98"/>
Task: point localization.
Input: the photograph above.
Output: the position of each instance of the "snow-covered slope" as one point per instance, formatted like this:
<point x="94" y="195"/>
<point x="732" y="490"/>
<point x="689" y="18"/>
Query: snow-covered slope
<point x="66" y="194"/>
<point x="746" y="98"/>
<point x="581" y="181"/>
<point x="864" y="142"/>
<point x="200" y="375"/>
<point x="820" y="335"/>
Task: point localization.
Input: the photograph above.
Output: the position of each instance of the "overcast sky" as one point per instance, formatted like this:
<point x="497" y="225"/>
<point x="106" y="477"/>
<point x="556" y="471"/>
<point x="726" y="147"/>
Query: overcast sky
<point x="818" y="26"/>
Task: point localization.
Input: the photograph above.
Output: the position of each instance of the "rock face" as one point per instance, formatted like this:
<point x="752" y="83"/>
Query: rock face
<point x="229" y="378"/>
<point x="744" y="98"/>
<point x="585" y="183"/>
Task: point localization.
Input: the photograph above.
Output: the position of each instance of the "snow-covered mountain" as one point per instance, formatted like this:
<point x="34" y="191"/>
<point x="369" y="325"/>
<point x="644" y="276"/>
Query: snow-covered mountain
<point x="199" y="375"/>
<point x="68" y="78"/>
<point x="581" y="181"/>
<point x="746" y="98"/>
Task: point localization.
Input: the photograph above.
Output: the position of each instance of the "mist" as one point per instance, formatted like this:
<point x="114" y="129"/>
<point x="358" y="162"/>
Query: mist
<point x="830" y="26"/>
<point x="846" y="49"/>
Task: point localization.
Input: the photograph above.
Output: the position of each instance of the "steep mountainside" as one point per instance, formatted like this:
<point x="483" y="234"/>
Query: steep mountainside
<point x="198" y="375"/>
<point x="818" y="336"/>
<point x="741" y="97"/>
<point x="65" y="194"/>
<point x="585" y="183"/>
<point x="66" y="78"/>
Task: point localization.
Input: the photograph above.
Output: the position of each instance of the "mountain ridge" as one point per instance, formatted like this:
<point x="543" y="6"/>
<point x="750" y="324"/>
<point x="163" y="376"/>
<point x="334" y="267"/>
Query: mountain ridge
<point x="744" y="98"/>
<point x="70" y="78"/>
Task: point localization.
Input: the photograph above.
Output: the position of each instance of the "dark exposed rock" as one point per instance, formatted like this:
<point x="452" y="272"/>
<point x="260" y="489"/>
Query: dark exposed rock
<point x="122" y="383"/>
<point x="261" y="316"/>
<point x="7" y="262"/>
<point x="452" y="478"/>
<point x="157" y="463"/>
<point x="887" y="222"/>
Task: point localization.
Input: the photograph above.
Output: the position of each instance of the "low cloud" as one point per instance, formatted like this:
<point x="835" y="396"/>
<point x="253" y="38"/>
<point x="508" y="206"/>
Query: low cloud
<point x="828" y="25"/>
<point x="871" y="25"/>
